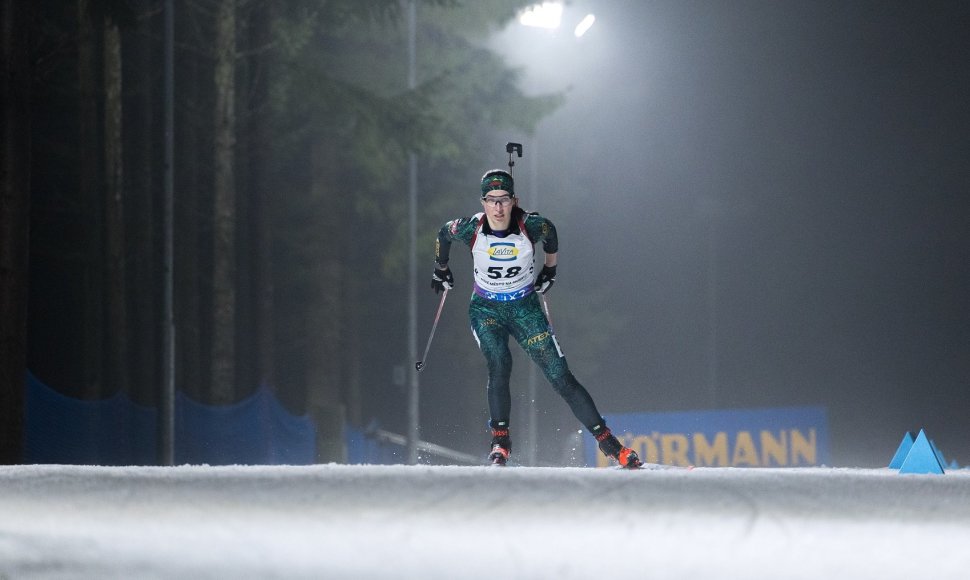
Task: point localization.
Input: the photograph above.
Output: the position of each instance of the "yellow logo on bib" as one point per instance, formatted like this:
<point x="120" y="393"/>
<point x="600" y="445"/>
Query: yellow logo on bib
<point x="503" y="251"/>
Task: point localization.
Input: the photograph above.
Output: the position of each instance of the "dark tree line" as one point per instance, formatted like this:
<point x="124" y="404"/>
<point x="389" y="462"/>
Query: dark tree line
<point x="293" y="123"/>
<point x="15" y="61"/>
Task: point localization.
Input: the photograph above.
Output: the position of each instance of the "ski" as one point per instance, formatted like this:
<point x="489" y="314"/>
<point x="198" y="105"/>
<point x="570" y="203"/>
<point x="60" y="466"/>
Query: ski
<point x="659" y="467"/>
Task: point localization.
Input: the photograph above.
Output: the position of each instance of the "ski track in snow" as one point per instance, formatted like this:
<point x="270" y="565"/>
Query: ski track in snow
<point x="341" y="521"/>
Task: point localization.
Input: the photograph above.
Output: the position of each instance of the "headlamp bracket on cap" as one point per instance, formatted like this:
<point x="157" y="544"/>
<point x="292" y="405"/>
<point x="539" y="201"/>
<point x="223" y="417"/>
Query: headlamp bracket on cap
<point x="511" y="148"/>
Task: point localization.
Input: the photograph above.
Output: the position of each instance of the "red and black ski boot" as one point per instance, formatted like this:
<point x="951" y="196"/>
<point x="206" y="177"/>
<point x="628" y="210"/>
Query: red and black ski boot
<point x="501" y="447"/>
<point x="611" y="447"/>
<point x="499" y="456"/>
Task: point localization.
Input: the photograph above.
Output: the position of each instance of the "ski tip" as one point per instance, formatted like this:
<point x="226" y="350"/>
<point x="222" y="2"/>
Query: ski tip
<point x="658" y="467"/>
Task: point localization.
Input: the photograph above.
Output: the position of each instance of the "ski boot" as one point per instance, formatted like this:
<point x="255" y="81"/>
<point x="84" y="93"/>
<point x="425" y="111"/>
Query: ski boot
<point x="501" y="447"/>
<point x="611" y="447"/>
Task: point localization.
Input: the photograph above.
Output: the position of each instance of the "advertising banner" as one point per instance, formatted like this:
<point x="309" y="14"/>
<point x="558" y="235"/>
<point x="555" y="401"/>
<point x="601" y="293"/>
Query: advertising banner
<point x="779" y="437"/>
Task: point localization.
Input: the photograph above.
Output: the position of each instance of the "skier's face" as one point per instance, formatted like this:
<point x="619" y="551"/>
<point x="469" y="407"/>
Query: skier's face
<point x="498" y="206"/>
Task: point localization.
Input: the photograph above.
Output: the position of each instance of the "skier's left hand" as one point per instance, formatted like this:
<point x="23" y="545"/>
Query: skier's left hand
<point x="545" y="280"/>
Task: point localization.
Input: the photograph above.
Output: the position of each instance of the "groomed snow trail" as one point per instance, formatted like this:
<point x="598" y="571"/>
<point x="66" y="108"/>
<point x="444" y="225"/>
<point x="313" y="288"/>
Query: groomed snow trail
<point x="338" y="521"/>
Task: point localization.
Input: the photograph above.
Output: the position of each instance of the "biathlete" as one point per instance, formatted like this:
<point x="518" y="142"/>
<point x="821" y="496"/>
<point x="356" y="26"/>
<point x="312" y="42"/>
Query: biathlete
<point x="505" y="303"/>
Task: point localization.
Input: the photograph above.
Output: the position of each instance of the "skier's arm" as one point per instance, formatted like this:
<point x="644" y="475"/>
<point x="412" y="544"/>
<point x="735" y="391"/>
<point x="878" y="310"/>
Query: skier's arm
<point x="461" y="229"/>
<point x="442" y="279"/>
<point x="542" y="230"/>
<point x="442" y="244"/>
<point x="442" y="247"/>
<point x="458" y="229"/>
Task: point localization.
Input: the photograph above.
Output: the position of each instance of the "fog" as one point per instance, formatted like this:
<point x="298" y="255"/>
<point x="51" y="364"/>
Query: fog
<point x="759" y="204"/>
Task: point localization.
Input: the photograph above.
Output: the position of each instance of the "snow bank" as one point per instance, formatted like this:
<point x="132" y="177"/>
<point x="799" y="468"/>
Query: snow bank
<point x="337" y="521"/>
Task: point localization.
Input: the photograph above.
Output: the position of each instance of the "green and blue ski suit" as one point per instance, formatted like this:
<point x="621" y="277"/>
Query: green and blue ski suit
<point x="505" y="304"/>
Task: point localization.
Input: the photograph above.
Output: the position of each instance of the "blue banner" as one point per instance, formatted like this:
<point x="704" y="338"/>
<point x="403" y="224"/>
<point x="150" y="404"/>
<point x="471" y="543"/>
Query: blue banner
<point x="781" y="437"/>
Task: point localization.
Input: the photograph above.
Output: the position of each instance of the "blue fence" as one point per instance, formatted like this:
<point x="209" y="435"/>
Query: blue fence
<point x="117" y="431"/>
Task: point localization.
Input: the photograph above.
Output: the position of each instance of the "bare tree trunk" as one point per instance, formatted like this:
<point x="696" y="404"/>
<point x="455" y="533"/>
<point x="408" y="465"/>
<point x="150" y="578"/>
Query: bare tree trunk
<point x="14" y="223"/>
<point x="352" y="354"/>
<point x="190" y="191"/>
<point x="224" y="255"/>
<point x="91" y="202"/>
<point x="245" y="320"/>
<point x="259" y="163"/>
<point x="116" y="337"/>
<point x="323" y="328"/>
<point x="144" y="289"/>
<point x="351" y="343"/>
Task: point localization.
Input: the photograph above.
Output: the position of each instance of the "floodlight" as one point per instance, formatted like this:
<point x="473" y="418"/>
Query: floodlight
<point x="545" y="15"/>
<point x="584" y="25"/>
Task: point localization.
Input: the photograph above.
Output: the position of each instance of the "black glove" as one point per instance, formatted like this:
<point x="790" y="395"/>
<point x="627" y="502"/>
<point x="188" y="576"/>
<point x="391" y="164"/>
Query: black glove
<point x="442" y="279"/>
<point x="545" y="280"/>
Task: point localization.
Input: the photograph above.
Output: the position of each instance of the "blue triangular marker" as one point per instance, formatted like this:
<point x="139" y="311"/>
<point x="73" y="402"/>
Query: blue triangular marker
<point x="904" y="446"/>
<point x="921" y="458"/>
<point x="953" y="464"/>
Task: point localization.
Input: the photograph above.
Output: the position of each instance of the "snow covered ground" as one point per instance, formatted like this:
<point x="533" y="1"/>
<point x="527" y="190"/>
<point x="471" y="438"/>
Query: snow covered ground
<point x="338" y="521"/>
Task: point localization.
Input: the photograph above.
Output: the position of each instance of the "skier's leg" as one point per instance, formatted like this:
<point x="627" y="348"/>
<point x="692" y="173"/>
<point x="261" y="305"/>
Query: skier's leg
<point x="493" y="340"/>
<point x="584" y="409"/>
<point x="534" y="333"/>
<point x="495" y="347"/>
<point x="494" y="344"/>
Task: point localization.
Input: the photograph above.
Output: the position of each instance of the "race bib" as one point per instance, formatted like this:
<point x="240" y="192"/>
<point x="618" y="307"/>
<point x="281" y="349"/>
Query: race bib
<point x="503" y="266"/>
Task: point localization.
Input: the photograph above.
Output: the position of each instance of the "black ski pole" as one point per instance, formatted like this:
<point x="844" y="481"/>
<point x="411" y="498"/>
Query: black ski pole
<point x="420" y="364"/>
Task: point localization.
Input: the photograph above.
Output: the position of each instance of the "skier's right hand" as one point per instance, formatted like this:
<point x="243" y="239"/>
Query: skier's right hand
<point x="442" y="279"/>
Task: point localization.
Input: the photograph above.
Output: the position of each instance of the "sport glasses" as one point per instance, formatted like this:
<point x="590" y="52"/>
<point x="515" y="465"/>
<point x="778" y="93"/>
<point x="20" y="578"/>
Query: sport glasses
<point x="502" y="201"/>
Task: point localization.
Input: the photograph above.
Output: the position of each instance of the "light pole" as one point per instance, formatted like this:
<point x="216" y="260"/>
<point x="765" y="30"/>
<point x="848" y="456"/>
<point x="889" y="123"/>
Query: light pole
<point x="547" y="15"/>
<point x="532" y="427"/>
<point x="709" y="210"/>
<point x="166" y="400"/>
<point x="414" y="427"/>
